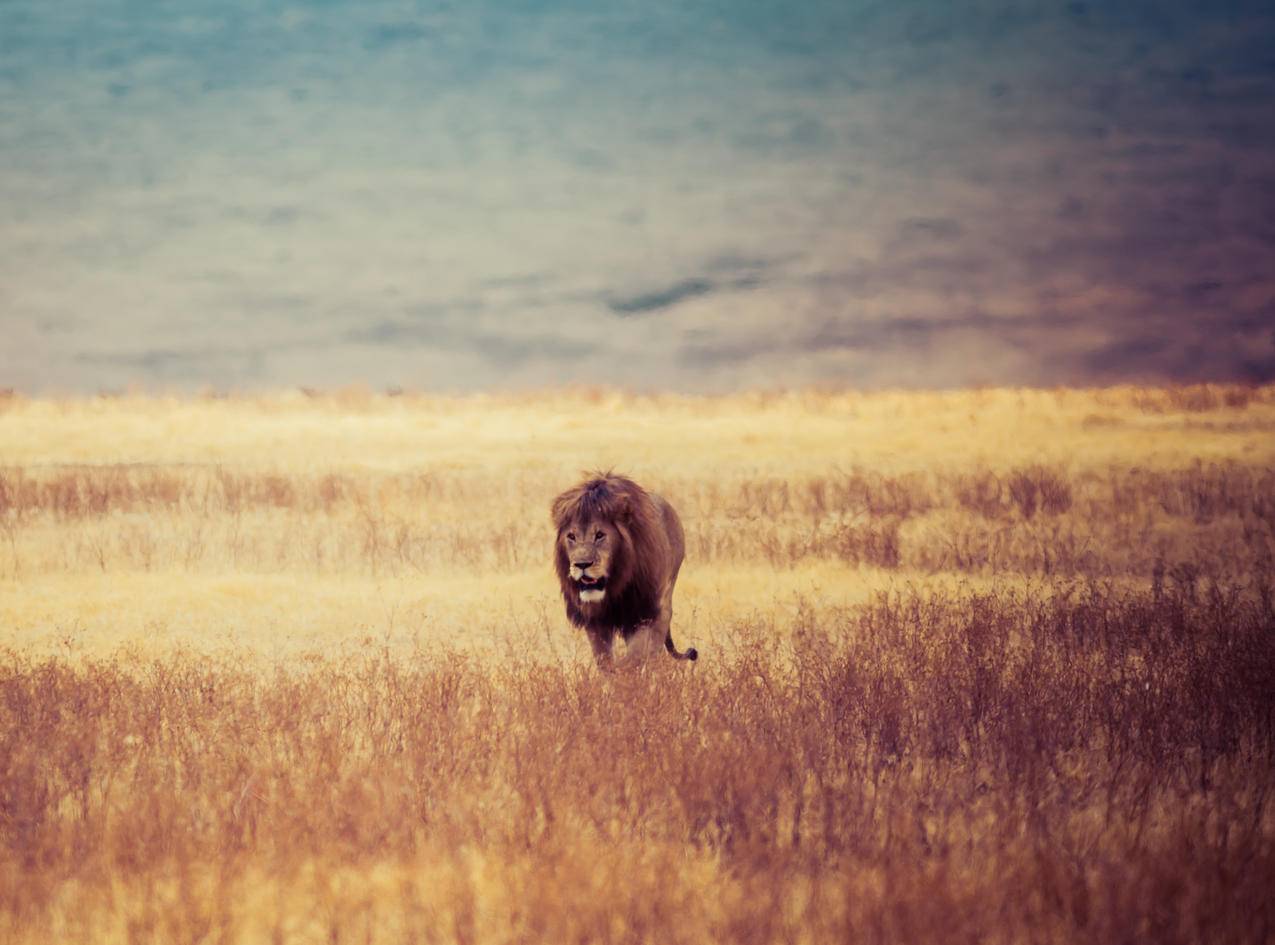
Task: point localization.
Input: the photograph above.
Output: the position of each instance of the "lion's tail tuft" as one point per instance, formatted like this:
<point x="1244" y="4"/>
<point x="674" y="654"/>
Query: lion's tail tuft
<point x="691" y="653"/>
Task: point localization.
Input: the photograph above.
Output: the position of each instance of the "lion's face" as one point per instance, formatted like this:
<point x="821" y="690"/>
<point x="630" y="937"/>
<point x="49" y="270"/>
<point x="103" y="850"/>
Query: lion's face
<point x="590" y="549"/>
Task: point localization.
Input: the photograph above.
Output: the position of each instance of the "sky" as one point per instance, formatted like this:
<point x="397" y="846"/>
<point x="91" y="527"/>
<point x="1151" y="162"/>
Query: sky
<point x="701" y="196"/>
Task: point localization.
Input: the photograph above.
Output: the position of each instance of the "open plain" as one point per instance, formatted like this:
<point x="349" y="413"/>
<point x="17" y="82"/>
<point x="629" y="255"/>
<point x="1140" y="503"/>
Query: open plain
<point x="980" y="666"/>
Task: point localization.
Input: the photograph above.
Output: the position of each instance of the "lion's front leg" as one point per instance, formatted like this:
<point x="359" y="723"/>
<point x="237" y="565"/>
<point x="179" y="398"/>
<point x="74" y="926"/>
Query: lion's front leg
<point x="601" y="644"/>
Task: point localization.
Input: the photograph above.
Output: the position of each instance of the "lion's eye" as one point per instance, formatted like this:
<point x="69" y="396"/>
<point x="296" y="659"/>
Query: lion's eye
<point x="571" y="536"/>
<point x="600" y="536"/>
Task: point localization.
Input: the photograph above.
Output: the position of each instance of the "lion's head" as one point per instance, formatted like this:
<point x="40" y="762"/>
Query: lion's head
<point x="612" y="553"/>
<point x="589" y="548"/>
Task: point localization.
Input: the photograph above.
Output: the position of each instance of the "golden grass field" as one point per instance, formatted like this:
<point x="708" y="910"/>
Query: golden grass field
<point x="981" y="666"/>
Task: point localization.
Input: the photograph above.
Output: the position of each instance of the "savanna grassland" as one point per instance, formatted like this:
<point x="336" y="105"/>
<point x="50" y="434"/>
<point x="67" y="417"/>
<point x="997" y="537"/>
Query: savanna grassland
<point x="986" y="666"/>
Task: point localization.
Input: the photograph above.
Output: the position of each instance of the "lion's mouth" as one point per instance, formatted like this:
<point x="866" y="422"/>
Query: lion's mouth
<point x="591" y="589"/>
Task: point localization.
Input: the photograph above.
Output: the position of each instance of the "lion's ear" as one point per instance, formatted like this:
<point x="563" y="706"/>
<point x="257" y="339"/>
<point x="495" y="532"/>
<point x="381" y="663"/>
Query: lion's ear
<point x="624" y="507"/>
<point x="560" y="510"/>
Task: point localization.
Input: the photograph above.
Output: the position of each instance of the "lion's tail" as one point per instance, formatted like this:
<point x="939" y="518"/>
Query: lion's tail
<point x="691" y="653"/>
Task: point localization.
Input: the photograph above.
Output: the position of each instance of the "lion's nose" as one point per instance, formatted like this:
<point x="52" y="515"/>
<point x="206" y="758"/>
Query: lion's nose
<point x="584" y="565"/>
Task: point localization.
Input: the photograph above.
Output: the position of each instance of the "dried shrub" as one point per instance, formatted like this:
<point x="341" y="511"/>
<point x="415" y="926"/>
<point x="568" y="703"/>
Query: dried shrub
<point x="1037" y="488"/>
<point x="981" y="492"/>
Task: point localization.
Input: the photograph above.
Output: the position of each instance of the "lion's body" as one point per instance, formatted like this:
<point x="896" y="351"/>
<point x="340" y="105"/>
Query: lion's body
<point x="618" y="552"/>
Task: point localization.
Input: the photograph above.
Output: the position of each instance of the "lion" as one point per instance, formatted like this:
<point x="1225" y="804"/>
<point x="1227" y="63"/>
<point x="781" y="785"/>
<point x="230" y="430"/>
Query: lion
<point x="617" y="553"/>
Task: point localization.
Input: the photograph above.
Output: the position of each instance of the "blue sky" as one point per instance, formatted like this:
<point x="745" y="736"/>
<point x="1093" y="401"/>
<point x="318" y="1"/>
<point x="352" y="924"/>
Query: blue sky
<point x="692" y="196"/>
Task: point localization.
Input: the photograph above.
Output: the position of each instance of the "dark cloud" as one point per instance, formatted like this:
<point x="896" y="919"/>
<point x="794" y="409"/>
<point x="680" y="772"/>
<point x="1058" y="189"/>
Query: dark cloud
<point x="656" y="299"/>
<point x="155" y="359"/>
<point x="283" y="216"/>
<point x="434" y="323"/>
<point x="875" y="335"/>
<point x="170" y="365"/>
<point x="388" y="333"/>
<point x="726" y="273"/>
<point x="452" y="334"/>
<point x="1131" y="357"/>
<point x="387" y="35"/>
<point x="930" y="228"/>
<point x="508" y="351"/>
<point x="741" y="263"/>
<point x="701" y="348"/>
<point x="1199" y="356"/>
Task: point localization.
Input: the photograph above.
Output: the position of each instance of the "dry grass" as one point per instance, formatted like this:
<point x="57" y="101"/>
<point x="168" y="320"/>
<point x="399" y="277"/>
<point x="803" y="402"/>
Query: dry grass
<point x="990" y="666"/>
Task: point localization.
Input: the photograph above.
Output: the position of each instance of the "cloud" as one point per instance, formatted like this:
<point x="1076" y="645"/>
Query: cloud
<point x="929" y="228"/>
<point x="175" y="365"/>
<point x="726" y="272"/>
<point x="386" y="35"/>
<point x="1128" y="357"/>
<point x="746" y="264"/>
<point x="525" y="280"/>
<point x="448" y="333"/>
<point x="656" y="299"/>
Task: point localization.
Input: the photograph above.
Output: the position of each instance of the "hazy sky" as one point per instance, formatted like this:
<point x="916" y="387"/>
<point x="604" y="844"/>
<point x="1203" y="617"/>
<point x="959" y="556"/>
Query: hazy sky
<point x="698" y="195"/>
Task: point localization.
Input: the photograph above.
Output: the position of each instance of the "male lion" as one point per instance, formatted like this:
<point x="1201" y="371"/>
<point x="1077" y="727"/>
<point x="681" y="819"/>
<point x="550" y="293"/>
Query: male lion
<point x="618" y="552"/>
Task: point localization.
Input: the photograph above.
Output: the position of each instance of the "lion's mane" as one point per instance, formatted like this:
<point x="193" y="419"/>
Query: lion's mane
<point x="639" y="566"/>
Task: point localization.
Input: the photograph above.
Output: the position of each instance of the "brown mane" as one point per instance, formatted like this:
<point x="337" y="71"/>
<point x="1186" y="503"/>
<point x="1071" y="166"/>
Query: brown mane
<point x="641" y="563"/>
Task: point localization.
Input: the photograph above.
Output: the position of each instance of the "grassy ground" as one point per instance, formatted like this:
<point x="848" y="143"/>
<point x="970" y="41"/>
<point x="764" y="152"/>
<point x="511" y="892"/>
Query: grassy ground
<point x="987" y="666"/>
